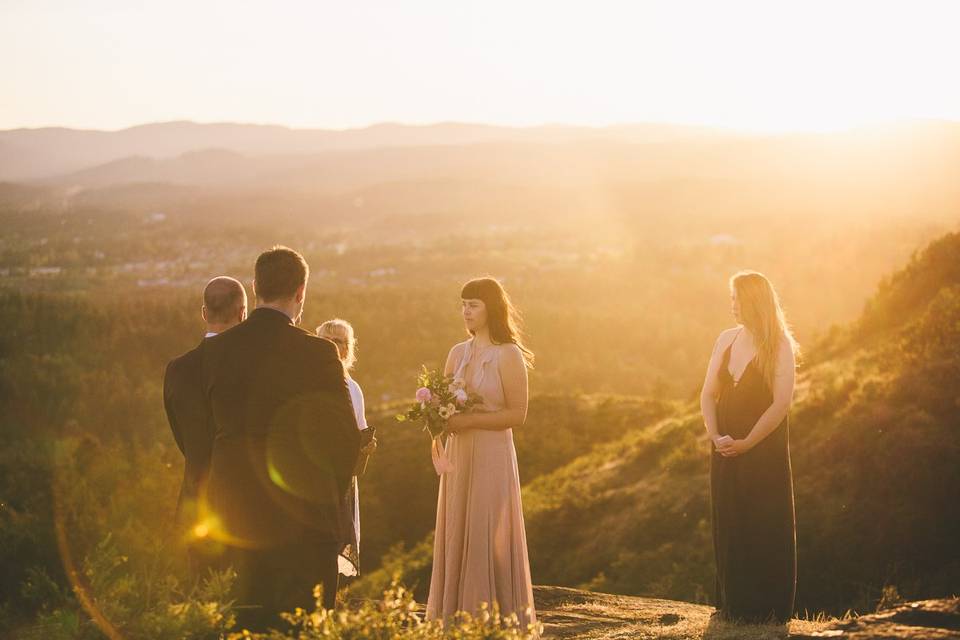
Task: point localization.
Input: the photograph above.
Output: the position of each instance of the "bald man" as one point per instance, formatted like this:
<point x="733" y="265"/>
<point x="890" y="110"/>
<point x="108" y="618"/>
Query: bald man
<point x="224" y="306"/>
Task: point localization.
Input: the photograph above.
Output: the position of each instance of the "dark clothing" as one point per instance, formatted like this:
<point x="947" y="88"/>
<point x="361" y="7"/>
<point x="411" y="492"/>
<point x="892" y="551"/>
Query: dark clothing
<point x="281" y="579"/>
<point x="186" y="408"/>
<point x="285" y="444"/>
<point x="754" y="529"/>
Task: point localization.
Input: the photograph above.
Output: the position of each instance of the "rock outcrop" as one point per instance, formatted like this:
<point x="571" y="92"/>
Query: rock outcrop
<point x="935" y="619"/>
<point x="572" y="613"/>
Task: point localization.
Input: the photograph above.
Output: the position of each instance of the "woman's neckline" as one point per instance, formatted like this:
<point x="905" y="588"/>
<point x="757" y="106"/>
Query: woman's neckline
<point x="475" y="345"/>
<point x="736" y="380"/>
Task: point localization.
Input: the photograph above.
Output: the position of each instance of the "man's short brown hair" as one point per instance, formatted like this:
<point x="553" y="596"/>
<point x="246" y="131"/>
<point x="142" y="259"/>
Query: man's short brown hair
<point x="279" y="273"/>
<point x="223" y="298"/>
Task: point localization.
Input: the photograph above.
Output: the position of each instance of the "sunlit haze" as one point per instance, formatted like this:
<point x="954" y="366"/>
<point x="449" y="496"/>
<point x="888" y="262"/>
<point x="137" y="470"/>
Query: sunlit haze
<point x="753" y="65"/>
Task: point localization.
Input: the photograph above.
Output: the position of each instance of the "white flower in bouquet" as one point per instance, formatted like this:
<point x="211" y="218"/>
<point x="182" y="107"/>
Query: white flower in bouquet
<point x="438" y="397"/>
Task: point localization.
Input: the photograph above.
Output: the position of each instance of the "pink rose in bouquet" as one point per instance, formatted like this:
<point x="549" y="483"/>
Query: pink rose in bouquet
<point x="437" y="399"/>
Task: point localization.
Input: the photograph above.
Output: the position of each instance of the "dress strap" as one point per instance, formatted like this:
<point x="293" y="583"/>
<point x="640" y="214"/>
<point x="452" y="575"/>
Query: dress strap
<point x="464" y="359"/>
<point x="730" y="346"/>
<point x="725" y="364"/>
<point x="488" y="355"/>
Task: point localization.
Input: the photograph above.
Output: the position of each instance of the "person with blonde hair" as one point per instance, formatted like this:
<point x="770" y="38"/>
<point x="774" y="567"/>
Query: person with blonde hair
<point x="745" y="403"/>
<point x="284" y="449"/>
<point x="341" y="333"/>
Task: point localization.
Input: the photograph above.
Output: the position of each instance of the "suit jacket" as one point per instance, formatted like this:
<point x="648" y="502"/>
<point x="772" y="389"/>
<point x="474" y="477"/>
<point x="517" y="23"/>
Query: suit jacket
<point x="189" y="419"/>
<point x="285" y="435"/>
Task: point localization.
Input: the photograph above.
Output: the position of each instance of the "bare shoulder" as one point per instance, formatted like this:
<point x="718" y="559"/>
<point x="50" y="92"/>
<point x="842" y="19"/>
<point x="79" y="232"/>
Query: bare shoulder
<point x="455" y="355"/>
<point x="510" y="353"/>
<point x="726" y="337"/>
<point x="457" y="349"/>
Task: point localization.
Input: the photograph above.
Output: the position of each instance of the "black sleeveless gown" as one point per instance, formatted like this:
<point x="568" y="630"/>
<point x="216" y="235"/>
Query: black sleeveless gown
<point x="754" y="528"/>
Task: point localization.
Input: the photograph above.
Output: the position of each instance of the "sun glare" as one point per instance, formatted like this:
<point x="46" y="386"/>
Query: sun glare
<point x="747" y="64"/>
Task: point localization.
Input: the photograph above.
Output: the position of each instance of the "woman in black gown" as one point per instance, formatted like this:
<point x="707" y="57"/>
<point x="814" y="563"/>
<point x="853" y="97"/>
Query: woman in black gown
<point x="745" y="403"/>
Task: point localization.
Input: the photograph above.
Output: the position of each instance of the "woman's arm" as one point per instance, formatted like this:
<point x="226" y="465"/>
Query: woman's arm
<point x="371" y="446"/>
<point x="783" y="383"/>
<point x="360" y="409"/>
<point x="513" y="374"/>
<point x="711" y="385"/>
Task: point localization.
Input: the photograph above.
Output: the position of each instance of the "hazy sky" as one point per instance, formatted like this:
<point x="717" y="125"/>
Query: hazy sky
<point x="758" y="65"/>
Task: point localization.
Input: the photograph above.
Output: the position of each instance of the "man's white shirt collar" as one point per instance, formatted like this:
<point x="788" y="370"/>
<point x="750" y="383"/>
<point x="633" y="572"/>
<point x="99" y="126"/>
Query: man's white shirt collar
<point x="210" y="333"/>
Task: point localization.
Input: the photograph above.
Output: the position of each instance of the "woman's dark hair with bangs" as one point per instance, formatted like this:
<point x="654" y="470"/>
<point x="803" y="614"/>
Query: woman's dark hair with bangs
<point x="502" y="317"/>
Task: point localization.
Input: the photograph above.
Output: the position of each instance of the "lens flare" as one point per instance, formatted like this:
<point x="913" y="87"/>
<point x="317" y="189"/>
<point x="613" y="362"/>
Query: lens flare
<point x="78" y="582"/>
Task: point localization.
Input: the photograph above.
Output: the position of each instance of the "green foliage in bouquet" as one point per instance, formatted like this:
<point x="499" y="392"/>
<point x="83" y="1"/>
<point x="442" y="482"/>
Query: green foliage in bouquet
<point x="438" y="397"/>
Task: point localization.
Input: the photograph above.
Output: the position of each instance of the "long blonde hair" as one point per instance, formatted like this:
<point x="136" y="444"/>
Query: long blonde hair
<point x="763" y="316"/>
<point x="341" y="333"/>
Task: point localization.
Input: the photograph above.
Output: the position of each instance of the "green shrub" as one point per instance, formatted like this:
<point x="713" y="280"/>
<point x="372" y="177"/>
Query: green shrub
<point x="394" y="617"/>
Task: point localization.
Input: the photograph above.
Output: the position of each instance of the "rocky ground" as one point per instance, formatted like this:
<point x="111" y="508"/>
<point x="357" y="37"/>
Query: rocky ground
<point x="571" y="613"/>
<point x="925" y="619"/>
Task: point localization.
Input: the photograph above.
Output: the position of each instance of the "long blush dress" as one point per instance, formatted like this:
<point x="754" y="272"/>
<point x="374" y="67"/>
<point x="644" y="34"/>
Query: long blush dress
<point x="480" y="545"/>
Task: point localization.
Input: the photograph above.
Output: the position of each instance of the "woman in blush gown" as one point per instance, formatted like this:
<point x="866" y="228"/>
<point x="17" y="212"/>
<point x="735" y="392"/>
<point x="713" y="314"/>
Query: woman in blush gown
<point x="480" y="546"/>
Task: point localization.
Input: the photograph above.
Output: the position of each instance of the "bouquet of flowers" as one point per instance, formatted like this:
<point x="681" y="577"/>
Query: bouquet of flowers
<point x="438" y="398"/>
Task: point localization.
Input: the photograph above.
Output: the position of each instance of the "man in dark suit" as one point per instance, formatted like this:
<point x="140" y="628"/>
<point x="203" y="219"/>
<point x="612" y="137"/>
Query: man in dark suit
<point x="224" y="306"/>
<point x="285" y="445"/>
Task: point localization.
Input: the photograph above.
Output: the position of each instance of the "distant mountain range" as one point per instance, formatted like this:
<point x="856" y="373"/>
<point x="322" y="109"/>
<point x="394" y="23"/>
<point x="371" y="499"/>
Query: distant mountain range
<point x="235" y="153"/>
<point x="29" y="154"/>
<point x="889" y="169"/>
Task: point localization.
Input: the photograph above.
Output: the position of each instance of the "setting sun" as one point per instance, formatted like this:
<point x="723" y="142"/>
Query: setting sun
<point x="528" y="320"/>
